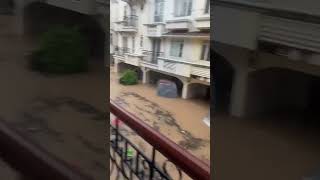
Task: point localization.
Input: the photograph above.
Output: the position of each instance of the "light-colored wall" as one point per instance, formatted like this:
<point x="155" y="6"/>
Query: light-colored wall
<point x="236" y="27"/>
<point x="192" y="47"/>
<point x="306" y="6"/>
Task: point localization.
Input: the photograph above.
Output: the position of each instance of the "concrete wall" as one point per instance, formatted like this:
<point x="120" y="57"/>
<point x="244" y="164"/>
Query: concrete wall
<point x="81" y="6"/>
<point x="235" y="27"/>
<point x="307" y="6"/>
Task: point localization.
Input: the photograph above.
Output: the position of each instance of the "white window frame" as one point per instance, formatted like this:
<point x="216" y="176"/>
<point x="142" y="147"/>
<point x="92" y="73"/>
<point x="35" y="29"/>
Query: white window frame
<point x="207" y="7"/>
<point x="182" y="8"/>
<point x="179" y="45"/>
<point x="205" y="51"/>
<point x="158" y="10"/>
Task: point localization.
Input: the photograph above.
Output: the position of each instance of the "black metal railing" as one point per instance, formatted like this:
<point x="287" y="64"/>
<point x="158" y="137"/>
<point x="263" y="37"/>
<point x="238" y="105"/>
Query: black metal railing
<point x="131" y="21"/>
<point x="120" y="51"/>
<point x="151" y="56"/>
<point x="163" y="160"/>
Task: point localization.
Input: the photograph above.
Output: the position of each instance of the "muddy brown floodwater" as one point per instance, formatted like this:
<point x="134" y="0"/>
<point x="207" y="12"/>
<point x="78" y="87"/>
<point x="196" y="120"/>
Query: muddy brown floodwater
<point x="178" y="119"/>
<point x="64" y="114"/>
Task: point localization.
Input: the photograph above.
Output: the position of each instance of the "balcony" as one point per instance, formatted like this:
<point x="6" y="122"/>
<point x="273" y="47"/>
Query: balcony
<point x="128" y="24"/>
<point x="155" y="30"/>
<point x="201" y="72"/>
<point x="178" y="24"/>
<point x="173" y="66"/>
<point x="163" y="160"/>
<point x="297" y="34"/>
<point x="202" y="22"/>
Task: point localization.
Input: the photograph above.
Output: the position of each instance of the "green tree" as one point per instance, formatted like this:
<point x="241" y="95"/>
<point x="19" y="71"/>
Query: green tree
<point x="62" y="50"/>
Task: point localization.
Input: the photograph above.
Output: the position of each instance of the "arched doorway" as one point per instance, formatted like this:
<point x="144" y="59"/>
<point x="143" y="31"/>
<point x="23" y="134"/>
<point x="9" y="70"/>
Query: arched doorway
<point x="284" y="95"/>
<point x="222" y="74"/>
<point x="199" y="91"/>
<point x="40" y="17"/>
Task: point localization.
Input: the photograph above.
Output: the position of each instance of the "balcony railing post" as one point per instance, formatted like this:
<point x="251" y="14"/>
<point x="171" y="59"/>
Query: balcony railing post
<point x="152" y="162"/>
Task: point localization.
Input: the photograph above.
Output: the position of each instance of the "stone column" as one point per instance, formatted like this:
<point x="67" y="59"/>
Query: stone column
<point x="145" y="75"/>
<point x="239" y="92"/>
<point x="185" y="90"/>
<point x="116" y="64"/>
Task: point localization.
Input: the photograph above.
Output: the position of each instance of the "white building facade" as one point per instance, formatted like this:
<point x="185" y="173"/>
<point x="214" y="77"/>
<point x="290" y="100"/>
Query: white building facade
<point x="167" y="37"/>
<point x="271" y="46"/>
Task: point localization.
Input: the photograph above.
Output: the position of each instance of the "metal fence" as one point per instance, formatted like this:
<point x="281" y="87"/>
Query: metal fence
<point x="151" y="56"/>
<point x="163" y="160"/>
<point x="131" y="21"/>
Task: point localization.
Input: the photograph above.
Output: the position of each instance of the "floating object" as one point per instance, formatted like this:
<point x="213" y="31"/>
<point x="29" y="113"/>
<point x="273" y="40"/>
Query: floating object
<point x="167" y="89"/>
<point x="129" y="153"/>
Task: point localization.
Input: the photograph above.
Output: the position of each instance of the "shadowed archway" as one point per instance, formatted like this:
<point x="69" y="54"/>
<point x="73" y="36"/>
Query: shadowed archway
<point x="40" y="17"/>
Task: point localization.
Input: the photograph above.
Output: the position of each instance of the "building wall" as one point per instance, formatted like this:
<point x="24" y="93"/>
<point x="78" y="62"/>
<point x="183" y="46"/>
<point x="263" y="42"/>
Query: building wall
<point x="308" y="6"/>
<point x="81" y="6"/>
<point x="236" y="27"/>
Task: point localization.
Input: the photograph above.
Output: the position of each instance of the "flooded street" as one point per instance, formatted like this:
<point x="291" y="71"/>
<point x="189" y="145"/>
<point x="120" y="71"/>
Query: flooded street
<point x="264" y="148"/>
<point x="178" y="119"/>
<point x="62" y="113"/>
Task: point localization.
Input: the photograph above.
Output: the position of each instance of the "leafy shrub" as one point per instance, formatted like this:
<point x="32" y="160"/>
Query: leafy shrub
<point x="129" y="77"/>
<point x="62" y="50"/>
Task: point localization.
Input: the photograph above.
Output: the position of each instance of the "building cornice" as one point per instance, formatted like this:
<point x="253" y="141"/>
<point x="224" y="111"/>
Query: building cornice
<point x="277" y="12"/>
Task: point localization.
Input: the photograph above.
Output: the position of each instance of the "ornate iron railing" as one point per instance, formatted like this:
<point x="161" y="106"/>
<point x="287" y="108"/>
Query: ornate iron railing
<point x="163" y="160"/>
<point x="151" y="56"/>
<point x="120" y="51"/>
<point x="31" y="161"/>
<point x="130" y="20"/>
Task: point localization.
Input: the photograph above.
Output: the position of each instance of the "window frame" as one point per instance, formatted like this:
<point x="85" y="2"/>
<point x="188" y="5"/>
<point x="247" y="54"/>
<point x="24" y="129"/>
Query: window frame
<point x="207" y="7"/>
<point x="179" y="6"/>
<point x="180" y="48"/>
<point x="158" y="10"/>
<point x="205" y="51"/>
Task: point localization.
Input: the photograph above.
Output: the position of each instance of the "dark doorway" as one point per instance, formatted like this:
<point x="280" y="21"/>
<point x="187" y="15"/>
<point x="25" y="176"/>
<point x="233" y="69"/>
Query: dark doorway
<point x="222" y="74"/>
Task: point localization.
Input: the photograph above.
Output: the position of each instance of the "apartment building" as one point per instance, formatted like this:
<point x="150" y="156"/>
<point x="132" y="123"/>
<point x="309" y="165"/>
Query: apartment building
<point x="164" y="39"/>
<point x="267" y="56"/>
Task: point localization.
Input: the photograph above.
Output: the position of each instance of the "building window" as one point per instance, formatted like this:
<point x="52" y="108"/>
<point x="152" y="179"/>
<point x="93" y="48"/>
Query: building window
<point x="133" y="44"/>
<point x="158" y="13"/>
<point x="205" y="52"/>
<point x="125" y="11"/>
<point x="207" y="8"/>
<point x="176" y="48"/>
<point x="141" y="41"/>
<point x="182" y="8"/>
